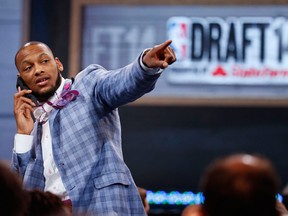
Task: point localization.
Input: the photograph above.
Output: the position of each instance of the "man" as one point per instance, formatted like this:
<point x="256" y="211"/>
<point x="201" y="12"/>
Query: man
<point x="240" y="184"/>
<point x="74" y="148"/>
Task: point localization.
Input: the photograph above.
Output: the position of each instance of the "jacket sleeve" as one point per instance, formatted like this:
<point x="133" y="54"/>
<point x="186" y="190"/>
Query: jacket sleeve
<point x="117" y="87"/>
<point x="20" y="162"/>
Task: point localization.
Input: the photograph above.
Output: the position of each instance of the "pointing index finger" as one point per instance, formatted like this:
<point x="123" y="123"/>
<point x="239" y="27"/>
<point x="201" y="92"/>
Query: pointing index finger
<point x="164" y="45"/>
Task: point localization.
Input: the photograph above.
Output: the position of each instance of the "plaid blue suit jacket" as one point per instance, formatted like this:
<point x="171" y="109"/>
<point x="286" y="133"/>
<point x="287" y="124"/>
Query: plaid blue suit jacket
<point x="86" y="140"/>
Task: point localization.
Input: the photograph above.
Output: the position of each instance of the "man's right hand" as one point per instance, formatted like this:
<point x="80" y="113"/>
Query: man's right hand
<point x="23" y="107"/>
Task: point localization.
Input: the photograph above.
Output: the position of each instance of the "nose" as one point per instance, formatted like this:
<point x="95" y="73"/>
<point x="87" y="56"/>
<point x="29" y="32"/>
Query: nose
<point x="38" y="69"/>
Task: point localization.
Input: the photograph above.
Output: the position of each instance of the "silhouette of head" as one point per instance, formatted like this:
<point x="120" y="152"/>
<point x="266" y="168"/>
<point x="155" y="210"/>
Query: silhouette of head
<point x="240" y="185"/>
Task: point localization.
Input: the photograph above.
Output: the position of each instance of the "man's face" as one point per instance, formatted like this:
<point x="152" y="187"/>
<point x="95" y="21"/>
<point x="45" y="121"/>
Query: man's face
<point x="39" y="69"/>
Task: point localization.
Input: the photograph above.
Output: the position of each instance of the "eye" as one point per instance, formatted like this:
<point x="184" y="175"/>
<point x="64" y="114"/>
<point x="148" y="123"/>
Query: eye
<point x="28" y="68"/>
<point x="44" y="61"/>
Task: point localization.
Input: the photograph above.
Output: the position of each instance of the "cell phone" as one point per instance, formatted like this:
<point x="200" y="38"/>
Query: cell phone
<point x="20" y="82"/>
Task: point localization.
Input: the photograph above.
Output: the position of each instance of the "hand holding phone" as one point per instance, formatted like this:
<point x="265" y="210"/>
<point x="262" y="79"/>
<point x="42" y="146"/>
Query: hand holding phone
<point x="20" y="83"/>
<point x="23" y="110"/>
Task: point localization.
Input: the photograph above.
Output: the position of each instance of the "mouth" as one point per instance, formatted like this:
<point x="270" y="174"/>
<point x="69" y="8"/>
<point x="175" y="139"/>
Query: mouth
<point x="42" y="81"/>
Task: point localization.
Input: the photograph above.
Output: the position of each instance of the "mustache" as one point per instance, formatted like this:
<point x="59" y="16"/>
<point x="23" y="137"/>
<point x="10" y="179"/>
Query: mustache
<point x="43" y="97"/>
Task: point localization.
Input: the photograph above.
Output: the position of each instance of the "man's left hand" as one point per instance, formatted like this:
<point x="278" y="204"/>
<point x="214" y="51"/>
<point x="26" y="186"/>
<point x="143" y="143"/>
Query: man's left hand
<point x="160" y="56"/>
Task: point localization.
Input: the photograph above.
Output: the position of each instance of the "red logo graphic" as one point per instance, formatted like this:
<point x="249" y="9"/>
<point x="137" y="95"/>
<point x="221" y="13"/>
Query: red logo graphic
<point x="219" y="72"/>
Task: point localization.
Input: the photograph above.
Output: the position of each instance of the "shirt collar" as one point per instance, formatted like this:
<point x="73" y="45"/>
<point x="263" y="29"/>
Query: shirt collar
<point x="41" y="112"/>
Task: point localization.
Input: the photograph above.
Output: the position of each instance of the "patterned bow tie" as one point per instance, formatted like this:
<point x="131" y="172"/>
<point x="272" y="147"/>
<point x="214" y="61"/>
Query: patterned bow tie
<point x="66" y="96"/>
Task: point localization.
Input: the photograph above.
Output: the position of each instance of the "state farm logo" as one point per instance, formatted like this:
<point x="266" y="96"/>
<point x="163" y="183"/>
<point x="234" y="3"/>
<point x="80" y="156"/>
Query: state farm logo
<point x="219" y="72"/>
<point x="241" y="50"/>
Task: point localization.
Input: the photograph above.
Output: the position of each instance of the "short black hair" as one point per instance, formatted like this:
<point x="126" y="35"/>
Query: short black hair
<point x="232" y="187"/>
<point x="30" y="43"/>
<point x="12" y="196"/>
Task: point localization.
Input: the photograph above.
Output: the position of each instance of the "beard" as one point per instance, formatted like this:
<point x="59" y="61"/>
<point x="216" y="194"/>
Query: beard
<point x="45" y="96"/>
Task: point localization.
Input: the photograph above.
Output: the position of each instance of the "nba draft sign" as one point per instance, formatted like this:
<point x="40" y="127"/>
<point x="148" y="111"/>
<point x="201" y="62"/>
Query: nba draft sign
<point x="231" y="50"/>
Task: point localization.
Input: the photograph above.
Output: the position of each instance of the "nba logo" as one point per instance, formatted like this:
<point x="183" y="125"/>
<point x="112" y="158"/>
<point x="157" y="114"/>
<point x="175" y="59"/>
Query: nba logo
<point x="178" y="29"/>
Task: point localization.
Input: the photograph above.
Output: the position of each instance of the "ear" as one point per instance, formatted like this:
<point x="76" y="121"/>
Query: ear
<point x="59" y="64"/>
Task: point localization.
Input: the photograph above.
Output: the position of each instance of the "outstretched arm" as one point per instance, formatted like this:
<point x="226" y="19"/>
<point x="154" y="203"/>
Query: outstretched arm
<point x="117" y="87"/>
